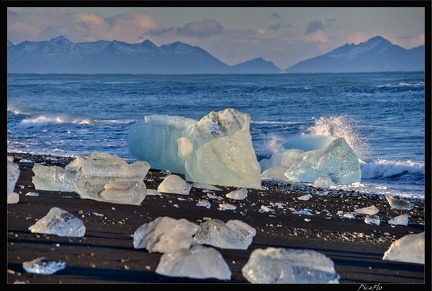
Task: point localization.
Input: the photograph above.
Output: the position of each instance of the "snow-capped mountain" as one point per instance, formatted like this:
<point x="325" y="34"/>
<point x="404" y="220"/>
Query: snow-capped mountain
<point x="375" y="55"/>
<point x="60" y="55"/>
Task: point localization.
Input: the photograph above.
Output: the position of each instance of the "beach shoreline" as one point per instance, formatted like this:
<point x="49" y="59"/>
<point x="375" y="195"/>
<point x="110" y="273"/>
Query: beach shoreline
<point x="105" y="255"/>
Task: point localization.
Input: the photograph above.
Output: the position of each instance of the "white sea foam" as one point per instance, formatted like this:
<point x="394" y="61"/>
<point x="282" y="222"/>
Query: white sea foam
<point x="382" y="168"/>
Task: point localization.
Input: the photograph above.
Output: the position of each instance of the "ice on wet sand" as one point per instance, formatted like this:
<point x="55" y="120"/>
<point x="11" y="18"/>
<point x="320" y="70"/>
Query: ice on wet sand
<point x="59" y="222"/>
<point x="409" y="248"/>
<point x="164" y="234"/>
<point x="12" y="177"/>
<point x="198" y="262"/>
<point x="234" y="234"/>
<point x="174" y="184"/>
<point x="102" y="175"/>
<point x="53" y="178"/>
<point x="289" y="266"/>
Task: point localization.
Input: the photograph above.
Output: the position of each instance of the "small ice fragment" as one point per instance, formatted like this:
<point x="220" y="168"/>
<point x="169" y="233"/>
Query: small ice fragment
<point x="204" y="203"/>
<point x="264" y="208"/>
<point x="372" y="219"/>
<point x="174" y="184"/>
<point x="226" y="206"/>
<point x="239" y="194"/>
<point x="43" y="265"/>
<point x="399" y="220"/>
<point x="211" y="196"/>
<point x="401" y="204"/>
<point x="305" y="197"/>
<point x="60" y="223"/>
<point x="367" y="210"/>
<point x="303" y="212"/>
<point x="32" y="194"/>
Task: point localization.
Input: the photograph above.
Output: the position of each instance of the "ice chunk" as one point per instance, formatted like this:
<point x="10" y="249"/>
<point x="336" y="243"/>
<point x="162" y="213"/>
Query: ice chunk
<point x="227" y="206"/>
<point x="367" y="210"/>
<point x="198" y="262"/>
<point x="305" y="197"/>
<point x="410" y="248"/>
<point x="124" y="192"/>
<point x="238" y="194"/>
<point x="372" y="219"/>
<point x="223" y="153"/>
<point x="154" y="140"/>
<point x="13" y="173"/>
<point x="101" y="169"/>
<point x="235" y="234"/>
<point x="43" y="265"/>
<point x="60" y="223"/>
<point x="12" y="198"/>
<point x="75" y="164"/>
<point x="337" y="160"/>
<point x="174" y="184"/>
<point x="215" y="150"/>
<point x="204" y="203"/>
<point x="164" y="234"/>
<point x="399" y="220"/>
<point x="289" y="266"/>
<point x="53" y="178"/>
<point x="401" y="204"/>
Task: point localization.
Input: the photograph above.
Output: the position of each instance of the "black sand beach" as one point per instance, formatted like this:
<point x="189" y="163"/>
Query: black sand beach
<point x="105" y="255"/>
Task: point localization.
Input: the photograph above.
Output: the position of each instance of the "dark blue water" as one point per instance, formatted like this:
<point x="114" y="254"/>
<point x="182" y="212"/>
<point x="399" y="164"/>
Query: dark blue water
<point x="381" y="115"/>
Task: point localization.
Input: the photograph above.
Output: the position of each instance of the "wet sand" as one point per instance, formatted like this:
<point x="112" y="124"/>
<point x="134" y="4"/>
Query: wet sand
<point x="105" y="255"/>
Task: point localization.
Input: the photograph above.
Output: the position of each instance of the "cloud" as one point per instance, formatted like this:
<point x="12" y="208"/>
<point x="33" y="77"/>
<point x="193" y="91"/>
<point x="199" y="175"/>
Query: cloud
<point x="127" y="27"/>
<point x="275" y="16"/>
<point x="201" y="29"/>
<point x="316" y="25"/>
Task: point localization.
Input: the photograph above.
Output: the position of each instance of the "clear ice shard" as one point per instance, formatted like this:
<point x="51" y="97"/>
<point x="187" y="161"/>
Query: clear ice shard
<point x="60" y="223"/>
<point x="108" y="178"/>
<point x="238" y="194"/>
<point x="289" y="266"/>
<point x="12" y="177"/>
<point x="409" y="248"/>
<point x="165" y="234"/>
<point x="234" y="234"/>
<point x="43" y="265"/>
<point x="197" y="262"/>
<point x="53" y="178"/>
<point x="399" y="220"/>
<point x="372" y="219"/>
<point x="367" y="210"/>
<point x="396" y="203"/>
<point x="216" y="150"/>
<point x="174" y="184"/>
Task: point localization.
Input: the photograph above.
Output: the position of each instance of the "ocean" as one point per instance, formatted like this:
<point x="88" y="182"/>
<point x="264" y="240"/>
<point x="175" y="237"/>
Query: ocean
<point x="380" y="115"/>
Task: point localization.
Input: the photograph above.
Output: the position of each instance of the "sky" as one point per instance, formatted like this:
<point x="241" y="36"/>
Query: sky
<point x="282" y="35"/>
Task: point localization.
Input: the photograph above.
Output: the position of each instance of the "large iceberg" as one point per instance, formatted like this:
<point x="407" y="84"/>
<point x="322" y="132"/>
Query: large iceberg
<point x="215" y="150"/>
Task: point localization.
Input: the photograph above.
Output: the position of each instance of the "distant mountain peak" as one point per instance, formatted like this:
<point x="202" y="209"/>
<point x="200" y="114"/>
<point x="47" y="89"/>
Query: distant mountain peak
<point x="375" y="55"/>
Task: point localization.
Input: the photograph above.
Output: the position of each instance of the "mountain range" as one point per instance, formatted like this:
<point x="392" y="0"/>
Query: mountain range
<point x="60" y="55"/>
